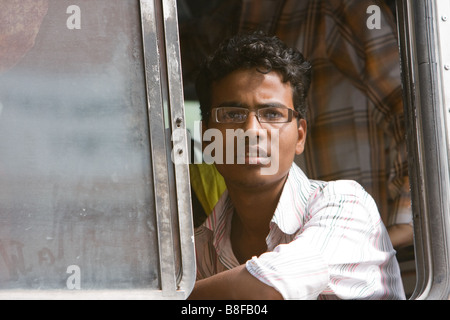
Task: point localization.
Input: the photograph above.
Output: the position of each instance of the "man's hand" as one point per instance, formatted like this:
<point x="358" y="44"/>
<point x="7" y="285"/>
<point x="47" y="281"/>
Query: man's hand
<point x="234" y="284"/>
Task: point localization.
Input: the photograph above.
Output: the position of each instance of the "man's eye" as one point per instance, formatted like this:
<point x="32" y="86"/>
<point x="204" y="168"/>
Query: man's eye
<point x="234" y="115"/>
<point x="272" y="114"/>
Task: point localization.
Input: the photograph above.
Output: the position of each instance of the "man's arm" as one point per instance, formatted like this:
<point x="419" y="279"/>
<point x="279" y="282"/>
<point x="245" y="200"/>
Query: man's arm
<point x="234" y="284"/>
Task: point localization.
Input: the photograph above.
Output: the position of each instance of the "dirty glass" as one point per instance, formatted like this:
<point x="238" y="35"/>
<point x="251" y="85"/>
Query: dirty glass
<point x="76" y="190"/>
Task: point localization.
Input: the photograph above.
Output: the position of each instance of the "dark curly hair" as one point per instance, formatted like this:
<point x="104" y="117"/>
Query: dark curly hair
<point x="260" y="51"/>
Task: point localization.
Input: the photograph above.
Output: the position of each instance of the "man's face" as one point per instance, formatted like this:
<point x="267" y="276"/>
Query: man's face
<point x="277" y="142"/>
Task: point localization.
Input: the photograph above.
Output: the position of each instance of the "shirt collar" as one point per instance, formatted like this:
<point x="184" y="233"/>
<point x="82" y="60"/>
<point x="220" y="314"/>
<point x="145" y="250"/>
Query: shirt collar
<point x="290" y="213"/>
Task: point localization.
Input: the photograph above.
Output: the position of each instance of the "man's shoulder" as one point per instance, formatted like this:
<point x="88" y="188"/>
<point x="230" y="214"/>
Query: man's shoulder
<point x="342" y="188"/>
<point x="340" y="194"/>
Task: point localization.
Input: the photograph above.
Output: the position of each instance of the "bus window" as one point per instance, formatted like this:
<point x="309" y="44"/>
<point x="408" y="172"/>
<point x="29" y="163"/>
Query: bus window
<point x="424" y="29"/>
<point x="356" y="119"/>
<point x="91" y="204"/>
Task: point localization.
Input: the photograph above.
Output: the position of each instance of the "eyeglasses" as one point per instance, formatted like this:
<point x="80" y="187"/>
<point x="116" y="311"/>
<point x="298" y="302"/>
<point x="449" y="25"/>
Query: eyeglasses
<point x="264" y="115"/>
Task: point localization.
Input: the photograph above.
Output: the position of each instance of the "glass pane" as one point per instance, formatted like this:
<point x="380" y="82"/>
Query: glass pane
<point x="76" y="192"/>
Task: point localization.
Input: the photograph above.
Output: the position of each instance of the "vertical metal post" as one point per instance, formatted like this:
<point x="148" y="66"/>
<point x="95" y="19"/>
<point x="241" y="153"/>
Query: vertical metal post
<point x="171" y="174"/>
<point x="179" y="138"/>
<point x="152" y="61"/>
<point x="428" y="148"/>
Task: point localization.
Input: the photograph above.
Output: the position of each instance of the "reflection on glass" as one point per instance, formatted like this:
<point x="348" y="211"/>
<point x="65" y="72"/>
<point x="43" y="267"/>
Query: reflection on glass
<point x="75" y="171"/>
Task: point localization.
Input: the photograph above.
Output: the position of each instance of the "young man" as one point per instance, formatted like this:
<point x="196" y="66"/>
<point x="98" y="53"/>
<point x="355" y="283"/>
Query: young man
<point x="275" y="234"/>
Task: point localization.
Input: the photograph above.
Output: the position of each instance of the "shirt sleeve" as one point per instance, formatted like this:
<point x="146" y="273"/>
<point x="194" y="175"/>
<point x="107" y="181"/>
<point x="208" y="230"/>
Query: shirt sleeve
<point x="343" y="250"/>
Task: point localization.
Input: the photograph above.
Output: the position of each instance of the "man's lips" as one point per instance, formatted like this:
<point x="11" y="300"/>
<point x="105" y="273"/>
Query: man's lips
<point x="256" y="156"/>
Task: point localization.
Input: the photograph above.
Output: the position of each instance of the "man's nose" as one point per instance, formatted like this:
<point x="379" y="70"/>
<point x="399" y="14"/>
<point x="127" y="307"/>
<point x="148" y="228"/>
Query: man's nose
<point x="252" y="122"/>
<point x="254" y="129"/>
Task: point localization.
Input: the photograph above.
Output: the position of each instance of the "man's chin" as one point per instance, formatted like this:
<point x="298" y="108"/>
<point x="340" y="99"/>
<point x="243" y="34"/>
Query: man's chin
<point x="249" y="176"/>
<point x="257" y="161"/>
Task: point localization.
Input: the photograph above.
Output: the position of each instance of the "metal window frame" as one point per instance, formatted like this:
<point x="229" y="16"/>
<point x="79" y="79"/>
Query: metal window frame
<point x="424" y="54"/>
<point x="164" y="88"/>
<point x="161" y="50"/>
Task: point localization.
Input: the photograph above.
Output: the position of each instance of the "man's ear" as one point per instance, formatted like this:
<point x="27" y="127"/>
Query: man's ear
<point x="302" y="130"/>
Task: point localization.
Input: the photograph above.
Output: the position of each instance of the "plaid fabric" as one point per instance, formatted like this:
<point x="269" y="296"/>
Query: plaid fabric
<point x="356" y="121"/>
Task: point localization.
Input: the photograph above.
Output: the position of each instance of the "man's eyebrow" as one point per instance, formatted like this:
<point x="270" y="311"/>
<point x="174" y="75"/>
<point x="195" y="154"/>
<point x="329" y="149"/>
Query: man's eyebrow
<point x="271" y="104"/>
<point x="237" y="104"/>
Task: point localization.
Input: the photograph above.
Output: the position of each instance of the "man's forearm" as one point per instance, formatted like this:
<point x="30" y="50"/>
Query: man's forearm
<point x="234" y="284"/>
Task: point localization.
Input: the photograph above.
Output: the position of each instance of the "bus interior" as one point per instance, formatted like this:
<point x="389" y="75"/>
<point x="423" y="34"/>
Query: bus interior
<point x="98" y="110"/>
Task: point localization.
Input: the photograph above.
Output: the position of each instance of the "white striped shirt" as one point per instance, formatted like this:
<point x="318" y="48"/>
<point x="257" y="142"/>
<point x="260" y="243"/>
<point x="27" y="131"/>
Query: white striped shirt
<point x="326" y="241"/>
